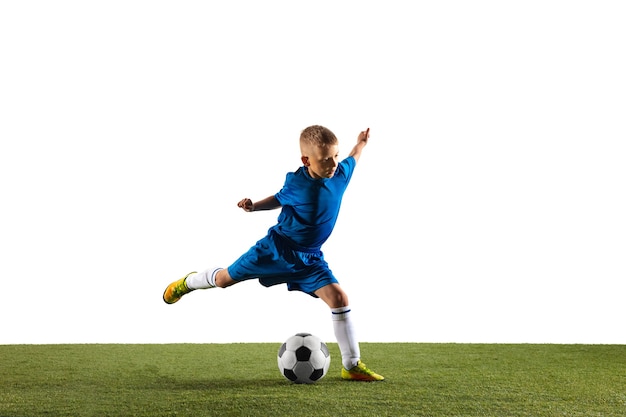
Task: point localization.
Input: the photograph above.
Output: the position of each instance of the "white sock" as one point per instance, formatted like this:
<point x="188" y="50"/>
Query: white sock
<point x="346" y="338"/>
<point x="202" y="280"/>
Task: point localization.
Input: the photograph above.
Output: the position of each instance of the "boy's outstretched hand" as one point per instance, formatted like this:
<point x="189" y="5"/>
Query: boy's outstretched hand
<point x="268" y="203"/>
<point x="246" y="204"/>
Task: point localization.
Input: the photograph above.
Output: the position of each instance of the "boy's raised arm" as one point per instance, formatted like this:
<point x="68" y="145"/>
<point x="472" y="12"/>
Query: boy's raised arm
<point x="360" y="144"/>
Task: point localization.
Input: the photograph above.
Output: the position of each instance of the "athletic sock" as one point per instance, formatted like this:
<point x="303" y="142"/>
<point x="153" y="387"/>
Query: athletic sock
<point x="346" y="338"/>
<point x="202" y="280"/>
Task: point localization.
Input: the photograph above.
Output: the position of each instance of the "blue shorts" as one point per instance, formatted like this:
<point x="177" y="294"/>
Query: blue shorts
<point x="274" y="261"/>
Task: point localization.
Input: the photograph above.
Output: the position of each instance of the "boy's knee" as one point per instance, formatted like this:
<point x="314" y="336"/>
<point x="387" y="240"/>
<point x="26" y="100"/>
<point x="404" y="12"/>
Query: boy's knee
<point x="333" y="295"/>
<point x="341" y="300"/>
<point x="223" y="279"/>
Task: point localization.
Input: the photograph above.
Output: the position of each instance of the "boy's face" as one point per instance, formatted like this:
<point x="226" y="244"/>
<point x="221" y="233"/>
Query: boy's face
<point x="321" y="161"/>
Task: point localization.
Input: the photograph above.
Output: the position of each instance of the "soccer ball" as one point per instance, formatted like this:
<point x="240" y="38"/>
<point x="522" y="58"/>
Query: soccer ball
<point x="303" y="358"/>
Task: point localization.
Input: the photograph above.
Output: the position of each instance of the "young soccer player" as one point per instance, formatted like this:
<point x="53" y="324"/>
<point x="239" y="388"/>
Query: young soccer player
<point x="291" y="252"/>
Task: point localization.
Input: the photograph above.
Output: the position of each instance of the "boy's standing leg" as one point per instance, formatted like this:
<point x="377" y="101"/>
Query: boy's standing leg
<point x="353" y="368"/>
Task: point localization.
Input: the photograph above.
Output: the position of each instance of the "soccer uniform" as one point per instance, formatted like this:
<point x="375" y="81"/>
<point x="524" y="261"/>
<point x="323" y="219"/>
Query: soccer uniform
<point x="291" y="252"/>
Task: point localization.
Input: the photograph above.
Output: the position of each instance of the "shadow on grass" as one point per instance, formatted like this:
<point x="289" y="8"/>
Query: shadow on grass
<point x="187" y="384"/>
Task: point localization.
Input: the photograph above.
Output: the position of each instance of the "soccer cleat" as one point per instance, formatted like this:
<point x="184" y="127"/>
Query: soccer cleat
<point x="176" y="290"/>
<point x="360" y="373"/>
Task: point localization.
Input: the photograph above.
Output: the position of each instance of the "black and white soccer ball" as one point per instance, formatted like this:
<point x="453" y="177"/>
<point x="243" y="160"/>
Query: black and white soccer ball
<point x="303" y="358"/>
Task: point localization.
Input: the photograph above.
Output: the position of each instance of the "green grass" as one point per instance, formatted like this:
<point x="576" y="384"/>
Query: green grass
<point x="243" y="380"/>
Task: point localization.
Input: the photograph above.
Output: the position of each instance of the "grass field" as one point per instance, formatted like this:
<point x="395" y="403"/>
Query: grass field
<point x="243" y="380"/>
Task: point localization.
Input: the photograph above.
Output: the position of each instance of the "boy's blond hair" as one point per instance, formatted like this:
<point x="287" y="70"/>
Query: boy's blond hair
<point x="317" y="136"/>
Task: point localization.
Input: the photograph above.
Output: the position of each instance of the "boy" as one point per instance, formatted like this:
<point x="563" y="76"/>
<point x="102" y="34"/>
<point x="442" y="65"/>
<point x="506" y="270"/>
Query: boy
<point x="291" y="252"/>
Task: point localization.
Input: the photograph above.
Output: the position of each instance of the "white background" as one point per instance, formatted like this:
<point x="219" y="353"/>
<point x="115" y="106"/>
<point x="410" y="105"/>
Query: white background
<point x="488" y="207"/>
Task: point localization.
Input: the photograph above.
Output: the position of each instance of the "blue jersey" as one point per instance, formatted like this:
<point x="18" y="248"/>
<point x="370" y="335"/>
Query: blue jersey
<point x="310" y="206"/>
<point x="291" y="251"/>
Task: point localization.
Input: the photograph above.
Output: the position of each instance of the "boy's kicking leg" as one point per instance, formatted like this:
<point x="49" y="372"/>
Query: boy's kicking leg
<point x="211" y="278"/>
<point x="353" y="368"/>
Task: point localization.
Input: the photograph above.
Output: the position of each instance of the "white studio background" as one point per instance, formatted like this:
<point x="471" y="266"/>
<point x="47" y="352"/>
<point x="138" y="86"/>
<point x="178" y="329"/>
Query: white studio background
<point x="488" y="207"/>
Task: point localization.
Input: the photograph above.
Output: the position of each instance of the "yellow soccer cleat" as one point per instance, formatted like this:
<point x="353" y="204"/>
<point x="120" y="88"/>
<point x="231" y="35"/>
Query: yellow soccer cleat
<point x="176" y="290"/>
<point x="360" y="373"/>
